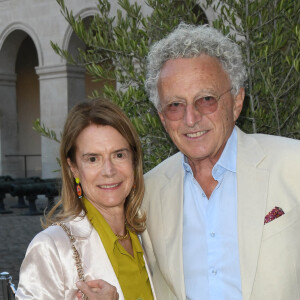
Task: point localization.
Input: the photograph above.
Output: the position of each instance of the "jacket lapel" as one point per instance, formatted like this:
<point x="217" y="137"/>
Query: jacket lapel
<point x="171" y="197"/>
<point x="252" y="186"/>
<point x="94" y="258"/>
<point x="147" y="268"/>
<point x="82" y="229"/>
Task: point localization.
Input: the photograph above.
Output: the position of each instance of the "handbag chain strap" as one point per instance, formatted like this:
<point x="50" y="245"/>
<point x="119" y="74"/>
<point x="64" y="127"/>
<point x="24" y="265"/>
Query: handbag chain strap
<point x="76" y="255"/>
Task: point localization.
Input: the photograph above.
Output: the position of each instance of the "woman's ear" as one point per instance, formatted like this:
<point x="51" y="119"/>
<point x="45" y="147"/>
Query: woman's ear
<point x="73" y="168"/>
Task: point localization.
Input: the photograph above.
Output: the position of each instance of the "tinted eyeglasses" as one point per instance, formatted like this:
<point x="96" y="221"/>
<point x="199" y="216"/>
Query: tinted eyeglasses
<point x="206" y="104"/>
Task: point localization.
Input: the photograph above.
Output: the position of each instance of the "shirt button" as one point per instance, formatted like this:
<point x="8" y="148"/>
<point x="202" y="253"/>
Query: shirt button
<point x="212" y="234"/>
<point x="214" y="272"/>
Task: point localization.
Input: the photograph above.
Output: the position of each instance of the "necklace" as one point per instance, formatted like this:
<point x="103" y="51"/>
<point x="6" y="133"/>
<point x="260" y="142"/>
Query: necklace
<point x="123" y="237"/>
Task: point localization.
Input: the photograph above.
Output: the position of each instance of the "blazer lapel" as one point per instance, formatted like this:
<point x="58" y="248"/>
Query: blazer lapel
<point x="172" y="212"/>
<point x="252" y="186"/>
<point x="147" y="268"/>
<point x="94" y="257"/>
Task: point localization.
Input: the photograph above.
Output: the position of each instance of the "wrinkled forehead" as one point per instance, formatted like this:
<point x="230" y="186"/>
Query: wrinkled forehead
<point x="186" y="77"/>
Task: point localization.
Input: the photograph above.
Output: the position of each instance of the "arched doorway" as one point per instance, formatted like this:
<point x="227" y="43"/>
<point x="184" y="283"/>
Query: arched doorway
<point x="28" y="107"/>
<point x="19" y="103"/>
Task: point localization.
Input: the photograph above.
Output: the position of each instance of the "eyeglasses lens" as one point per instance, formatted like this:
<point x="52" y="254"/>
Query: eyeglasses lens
<point x="205" y="105"/>
<point x="174" y="111"/>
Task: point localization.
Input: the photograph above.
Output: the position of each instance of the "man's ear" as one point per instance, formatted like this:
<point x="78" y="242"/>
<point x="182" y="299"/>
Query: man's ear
<point x="73" y="168"/>
<point x="238" y="103"/>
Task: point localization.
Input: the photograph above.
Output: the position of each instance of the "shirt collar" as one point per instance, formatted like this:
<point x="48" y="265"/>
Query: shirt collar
<point x="227" y="160"/>
<point x="108" y="238"/>
<point x="187" y="168"/>
<point x="100" y="224"/>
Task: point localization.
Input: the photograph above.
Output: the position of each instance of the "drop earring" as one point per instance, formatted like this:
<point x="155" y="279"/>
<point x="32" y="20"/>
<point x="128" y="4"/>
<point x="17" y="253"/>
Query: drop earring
<point x="78" y="188"/>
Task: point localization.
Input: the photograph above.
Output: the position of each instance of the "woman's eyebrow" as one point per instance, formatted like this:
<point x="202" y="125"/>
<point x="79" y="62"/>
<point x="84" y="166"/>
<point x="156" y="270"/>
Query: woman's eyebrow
<point x="90" y="154"/>
<point x="120" y="150"/>
<point x="98" y="154"/>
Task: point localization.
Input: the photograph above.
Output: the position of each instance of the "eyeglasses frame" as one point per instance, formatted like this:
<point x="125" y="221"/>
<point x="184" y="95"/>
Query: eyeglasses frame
<point x="217" y="98"/>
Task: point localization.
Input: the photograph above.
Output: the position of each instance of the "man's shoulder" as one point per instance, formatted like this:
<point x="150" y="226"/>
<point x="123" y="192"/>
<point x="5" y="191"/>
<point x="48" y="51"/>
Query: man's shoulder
<point x="276" y="140"/>
<point x="273" y="143"/>
<point x="168" y="165"/>
<point x="270" y="150"/>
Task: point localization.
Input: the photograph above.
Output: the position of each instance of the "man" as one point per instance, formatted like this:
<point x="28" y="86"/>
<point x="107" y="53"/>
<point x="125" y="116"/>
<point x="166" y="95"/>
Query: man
<point x="223" y="214"/>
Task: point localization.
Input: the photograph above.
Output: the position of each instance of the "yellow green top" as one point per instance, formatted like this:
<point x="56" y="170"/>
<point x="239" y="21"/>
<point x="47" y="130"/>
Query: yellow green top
<point x="130" y="270"/>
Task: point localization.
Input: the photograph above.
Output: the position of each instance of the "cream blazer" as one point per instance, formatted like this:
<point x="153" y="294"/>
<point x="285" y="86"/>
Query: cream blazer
<point x="48" y="270"/>
<point x="268" y="175"/>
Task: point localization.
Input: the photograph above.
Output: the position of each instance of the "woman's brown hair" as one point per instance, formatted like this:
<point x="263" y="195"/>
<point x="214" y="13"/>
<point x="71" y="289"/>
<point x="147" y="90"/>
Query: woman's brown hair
<point x="105" y="113"/>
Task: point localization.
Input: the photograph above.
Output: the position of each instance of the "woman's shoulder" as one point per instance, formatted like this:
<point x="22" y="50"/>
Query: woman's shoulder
<point x="57" y="228"/>
<point x="48" y="236"/>
<point x="56" y="237"/>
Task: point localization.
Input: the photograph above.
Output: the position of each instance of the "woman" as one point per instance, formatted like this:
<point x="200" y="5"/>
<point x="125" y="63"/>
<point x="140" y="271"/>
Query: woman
<point x="95" y="231"/>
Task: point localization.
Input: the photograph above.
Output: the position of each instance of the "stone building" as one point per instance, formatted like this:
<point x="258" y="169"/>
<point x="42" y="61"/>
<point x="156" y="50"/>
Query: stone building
<point x="36" y="83"/>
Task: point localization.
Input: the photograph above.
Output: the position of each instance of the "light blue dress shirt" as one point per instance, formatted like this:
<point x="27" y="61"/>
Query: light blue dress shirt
<point x="210" y="235"/>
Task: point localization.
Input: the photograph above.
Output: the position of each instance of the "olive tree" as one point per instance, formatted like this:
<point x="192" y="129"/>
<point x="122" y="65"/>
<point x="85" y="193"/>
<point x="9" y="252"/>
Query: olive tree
<point x="116" y="46"/>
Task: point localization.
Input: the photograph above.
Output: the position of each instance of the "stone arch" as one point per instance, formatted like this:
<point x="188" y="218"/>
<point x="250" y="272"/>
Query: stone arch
<point x="71" y="43"/>
<point x="16" y="112"/>
<point x="10" y="40"/>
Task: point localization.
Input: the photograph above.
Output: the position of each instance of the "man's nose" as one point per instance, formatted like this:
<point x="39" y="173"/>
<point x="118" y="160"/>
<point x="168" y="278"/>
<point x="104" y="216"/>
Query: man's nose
<point x="191" y="116"/>
<point x="108" y="168"/>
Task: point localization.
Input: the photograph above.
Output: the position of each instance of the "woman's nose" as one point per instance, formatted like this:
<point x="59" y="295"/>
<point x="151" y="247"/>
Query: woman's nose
<point x="108" y="168"/>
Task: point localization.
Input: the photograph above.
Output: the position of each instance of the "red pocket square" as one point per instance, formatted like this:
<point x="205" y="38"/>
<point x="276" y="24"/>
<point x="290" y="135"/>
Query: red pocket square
<point x="275" y="213"/>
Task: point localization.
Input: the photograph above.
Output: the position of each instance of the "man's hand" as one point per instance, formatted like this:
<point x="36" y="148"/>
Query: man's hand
<point x="97" y="290"/>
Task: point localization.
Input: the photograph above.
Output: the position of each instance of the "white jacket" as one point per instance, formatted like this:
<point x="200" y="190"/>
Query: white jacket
<point x="48" y="270"/>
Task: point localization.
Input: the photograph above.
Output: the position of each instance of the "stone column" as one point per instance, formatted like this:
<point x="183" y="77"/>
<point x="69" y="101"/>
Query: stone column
<point x="61" y="86"/>
<point x="9" y="165"/>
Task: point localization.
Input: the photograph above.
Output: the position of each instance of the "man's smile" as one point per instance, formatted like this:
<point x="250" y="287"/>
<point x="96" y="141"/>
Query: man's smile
<point x="196" y="134"/>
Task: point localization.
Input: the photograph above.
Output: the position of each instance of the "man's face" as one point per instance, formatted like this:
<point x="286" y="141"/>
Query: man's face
<point x="199" y="136"/>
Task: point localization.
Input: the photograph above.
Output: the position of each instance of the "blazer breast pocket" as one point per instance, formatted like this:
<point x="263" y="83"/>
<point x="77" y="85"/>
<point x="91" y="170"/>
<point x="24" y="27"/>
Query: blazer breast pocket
<point x="282" y="223"/>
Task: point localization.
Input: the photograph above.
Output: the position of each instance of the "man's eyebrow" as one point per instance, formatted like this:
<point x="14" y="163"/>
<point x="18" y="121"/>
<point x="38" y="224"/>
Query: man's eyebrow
<point x="174" y="98"/>
<point x="206" y="91"/>
<point x="202" y="92"/>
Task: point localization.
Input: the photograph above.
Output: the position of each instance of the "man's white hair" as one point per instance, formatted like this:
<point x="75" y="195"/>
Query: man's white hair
<point x="188" y="41"/>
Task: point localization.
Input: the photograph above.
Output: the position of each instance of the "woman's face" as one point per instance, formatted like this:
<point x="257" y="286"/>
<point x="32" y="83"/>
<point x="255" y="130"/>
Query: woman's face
<point x="104" y="166"/>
